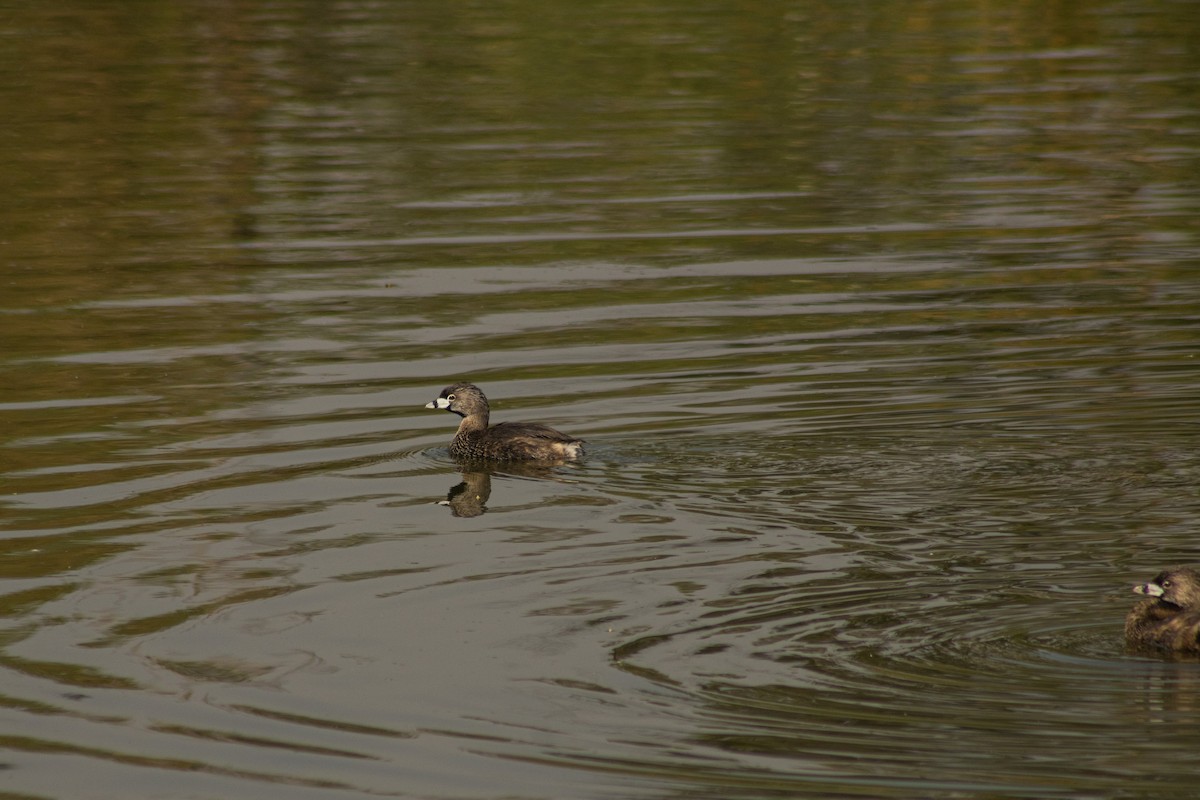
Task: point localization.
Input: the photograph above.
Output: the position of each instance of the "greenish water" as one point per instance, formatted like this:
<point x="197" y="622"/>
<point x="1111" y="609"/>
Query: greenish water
<point x="881" y="322"/>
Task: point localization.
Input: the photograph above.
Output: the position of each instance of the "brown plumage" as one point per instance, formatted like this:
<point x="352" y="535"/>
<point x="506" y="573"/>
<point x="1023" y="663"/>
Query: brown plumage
<point x="1169" y="618"/>
<point x="504" y="441"/>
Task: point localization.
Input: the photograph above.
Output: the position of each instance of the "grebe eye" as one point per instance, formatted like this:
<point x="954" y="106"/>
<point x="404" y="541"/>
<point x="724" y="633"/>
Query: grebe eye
<point x="1165" y="583"/>
<point x="449" y="397"/>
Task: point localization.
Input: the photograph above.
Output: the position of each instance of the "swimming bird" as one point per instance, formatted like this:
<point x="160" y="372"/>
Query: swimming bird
<point x="1169" y="618"/>
<point x="504" y="441"/>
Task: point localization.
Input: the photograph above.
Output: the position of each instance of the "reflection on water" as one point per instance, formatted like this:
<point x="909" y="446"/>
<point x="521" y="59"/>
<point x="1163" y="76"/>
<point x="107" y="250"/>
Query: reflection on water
<point x="469" y="498"/>
<point x="881" y="324"/>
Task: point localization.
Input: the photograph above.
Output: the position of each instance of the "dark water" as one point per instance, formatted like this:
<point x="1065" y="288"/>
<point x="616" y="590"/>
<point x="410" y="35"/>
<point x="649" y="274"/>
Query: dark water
<point x="881" y="322"/>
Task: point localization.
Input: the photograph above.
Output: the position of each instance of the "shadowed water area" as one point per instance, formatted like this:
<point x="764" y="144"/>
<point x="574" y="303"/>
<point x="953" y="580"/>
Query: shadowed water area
<point x="880" y="320"/>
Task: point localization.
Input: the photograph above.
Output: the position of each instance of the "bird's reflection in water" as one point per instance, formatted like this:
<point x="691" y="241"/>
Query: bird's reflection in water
<point x="469" y="498"/>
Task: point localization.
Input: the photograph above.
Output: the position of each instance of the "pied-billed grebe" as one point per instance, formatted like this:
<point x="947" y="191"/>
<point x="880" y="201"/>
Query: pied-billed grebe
<point x="504" y="441"/>
<point x="1169" y="618"/>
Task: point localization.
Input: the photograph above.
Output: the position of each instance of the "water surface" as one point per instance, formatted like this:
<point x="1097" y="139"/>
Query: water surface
<point x="881" y="323"/>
